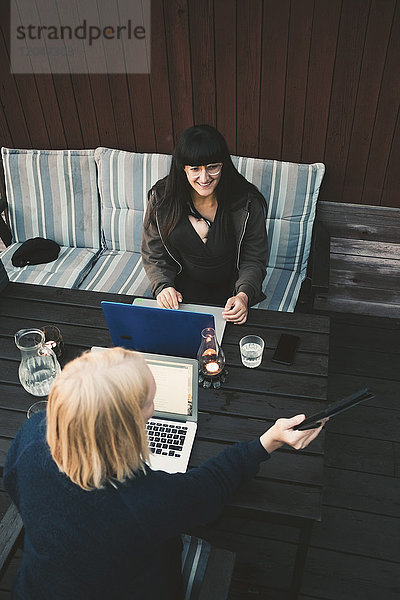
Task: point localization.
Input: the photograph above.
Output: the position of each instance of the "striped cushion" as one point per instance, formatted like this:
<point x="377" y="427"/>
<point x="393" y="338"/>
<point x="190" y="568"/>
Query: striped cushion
<point x="281" y="288"/>
<point x="119" y="273"/>
<point x="67" y="271"/>
<point x="195" y="555"/>
<point x="124" y="180"/>
<point x="291" y="191"/>
<point x="53" y="194"/>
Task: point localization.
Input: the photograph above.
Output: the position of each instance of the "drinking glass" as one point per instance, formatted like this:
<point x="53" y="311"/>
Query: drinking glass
<point x="251" y="350"/>
<point x="36" y="407"/>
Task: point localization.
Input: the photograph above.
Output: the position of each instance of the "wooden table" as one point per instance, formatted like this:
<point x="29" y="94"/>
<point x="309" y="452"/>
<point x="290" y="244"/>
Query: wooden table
<point x="288" y="488"/>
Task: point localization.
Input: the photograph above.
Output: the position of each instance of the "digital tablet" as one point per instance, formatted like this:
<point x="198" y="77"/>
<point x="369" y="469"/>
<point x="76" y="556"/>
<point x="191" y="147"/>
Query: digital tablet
<point x="334" y="409"/>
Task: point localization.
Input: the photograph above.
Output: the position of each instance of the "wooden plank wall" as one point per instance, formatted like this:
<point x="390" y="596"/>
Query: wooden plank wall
<point x="297" y="80"/>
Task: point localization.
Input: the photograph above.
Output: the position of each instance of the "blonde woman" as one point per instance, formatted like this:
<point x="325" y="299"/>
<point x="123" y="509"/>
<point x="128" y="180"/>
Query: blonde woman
<point x="99" y="523"/>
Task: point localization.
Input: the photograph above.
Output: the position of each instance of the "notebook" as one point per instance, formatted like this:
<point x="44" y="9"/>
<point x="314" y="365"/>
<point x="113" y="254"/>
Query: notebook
<point x="156" y="330"/>
<point x="172" y="429"/>
<point x="216" y="311"/>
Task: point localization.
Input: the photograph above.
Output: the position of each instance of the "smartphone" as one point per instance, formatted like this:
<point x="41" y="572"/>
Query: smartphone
<point x="286" y="349"/>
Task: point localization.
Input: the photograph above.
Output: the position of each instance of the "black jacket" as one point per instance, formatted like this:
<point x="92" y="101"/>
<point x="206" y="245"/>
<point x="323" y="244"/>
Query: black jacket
<point x="248" y="213"/>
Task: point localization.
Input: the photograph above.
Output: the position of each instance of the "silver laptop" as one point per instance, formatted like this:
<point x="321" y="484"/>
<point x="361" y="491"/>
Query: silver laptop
<point x="216" y="311"/>
<point x="172" y="429"/>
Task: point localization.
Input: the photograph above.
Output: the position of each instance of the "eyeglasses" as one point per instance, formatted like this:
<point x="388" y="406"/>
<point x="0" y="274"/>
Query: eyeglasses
<point x="212" y="170"/>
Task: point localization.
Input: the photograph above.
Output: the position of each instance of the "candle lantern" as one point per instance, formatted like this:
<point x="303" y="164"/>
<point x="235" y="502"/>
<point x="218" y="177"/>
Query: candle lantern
<point x="211" y="359"/>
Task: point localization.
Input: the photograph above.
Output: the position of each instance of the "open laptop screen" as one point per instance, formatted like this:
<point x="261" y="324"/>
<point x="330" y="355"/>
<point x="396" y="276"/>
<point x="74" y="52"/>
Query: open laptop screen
<point x="176" y="381"/>
<point x="176" y="385"/>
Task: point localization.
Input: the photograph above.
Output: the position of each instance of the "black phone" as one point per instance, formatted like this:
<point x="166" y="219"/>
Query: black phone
<point x="286" y="349"/>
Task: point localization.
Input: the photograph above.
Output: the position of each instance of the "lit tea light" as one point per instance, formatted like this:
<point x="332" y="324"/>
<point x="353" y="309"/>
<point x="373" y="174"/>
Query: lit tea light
<point x="211" y="360"/>
<point x="210" y="365"/>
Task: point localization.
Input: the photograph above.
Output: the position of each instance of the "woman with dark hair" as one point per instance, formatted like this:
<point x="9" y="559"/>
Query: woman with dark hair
<point x="204" y="236"/>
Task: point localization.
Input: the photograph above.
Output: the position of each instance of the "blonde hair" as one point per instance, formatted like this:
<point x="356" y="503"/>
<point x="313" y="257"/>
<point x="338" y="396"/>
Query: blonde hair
<point x="95" y="425"/>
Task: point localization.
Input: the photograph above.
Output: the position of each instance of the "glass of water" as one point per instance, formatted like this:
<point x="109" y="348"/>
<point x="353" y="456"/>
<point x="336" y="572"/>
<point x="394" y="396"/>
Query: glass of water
<point x="251" y="350"/>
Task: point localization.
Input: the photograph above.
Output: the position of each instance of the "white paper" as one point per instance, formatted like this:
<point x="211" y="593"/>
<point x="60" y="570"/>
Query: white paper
<point x="174" y="387"/>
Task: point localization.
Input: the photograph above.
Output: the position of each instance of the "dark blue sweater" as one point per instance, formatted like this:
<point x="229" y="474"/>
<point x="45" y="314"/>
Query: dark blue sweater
<point x="122" y="542"/>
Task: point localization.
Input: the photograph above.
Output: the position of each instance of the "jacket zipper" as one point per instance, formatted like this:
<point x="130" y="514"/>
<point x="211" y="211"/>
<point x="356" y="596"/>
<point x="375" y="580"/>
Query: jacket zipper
<point x="241" y="239"/>
<point x="165" y="246"/>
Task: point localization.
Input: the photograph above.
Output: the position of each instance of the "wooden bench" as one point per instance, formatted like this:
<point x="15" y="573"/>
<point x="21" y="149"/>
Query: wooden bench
<point x="218" y="575"/>
<point x="358" y="259"/>
<point x="10" y="530"/>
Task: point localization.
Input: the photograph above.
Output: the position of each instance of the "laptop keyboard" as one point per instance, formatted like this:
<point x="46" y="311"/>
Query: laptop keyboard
<point x="166" y="438"/>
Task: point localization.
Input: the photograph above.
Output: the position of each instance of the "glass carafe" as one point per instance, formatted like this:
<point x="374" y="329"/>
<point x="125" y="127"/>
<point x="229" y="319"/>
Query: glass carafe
<point x="210" y="354"/>
<point x="39" y="365"/>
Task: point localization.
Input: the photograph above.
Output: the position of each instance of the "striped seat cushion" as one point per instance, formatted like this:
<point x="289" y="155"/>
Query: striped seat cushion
<point x="53" y="194"/>
<point x="281" y="288"/>
<point x="67" y="271"/>
<point x="119" y="273"/>
<point x="124" y="180"/>
<point x="291" y="191"/>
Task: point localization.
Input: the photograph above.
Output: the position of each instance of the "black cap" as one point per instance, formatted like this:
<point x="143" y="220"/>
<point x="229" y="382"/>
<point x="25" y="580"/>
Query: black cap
<point x="35" y="251"/>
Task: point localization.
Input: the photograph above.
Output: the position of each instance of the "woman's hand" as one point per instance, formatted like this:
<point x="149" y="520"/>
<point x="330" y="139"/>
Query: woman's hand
<point x="236" y="309"/>
<point x="169" y="298"/>
<point x="282" y="432"/>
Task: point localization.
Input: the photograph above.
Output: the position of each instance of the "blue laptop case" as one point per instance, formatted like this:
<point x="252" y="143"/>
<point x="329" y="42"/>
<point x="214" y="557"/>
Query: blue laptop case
<point x="156" y="330"/>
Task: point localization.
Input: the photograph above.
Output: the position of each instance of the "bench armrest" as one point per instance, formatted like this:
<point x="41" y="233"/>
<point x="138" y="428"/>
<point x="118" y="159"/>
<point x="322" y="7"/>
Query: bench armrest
<point x="10" y="529"/>
<point x="320" y="259"/>
<point x="317" y="279"/>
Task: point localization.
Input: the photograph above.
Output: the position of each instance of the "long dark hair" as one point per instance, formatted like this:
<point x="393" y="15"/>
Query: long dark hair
<point x="198" y="145"/>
